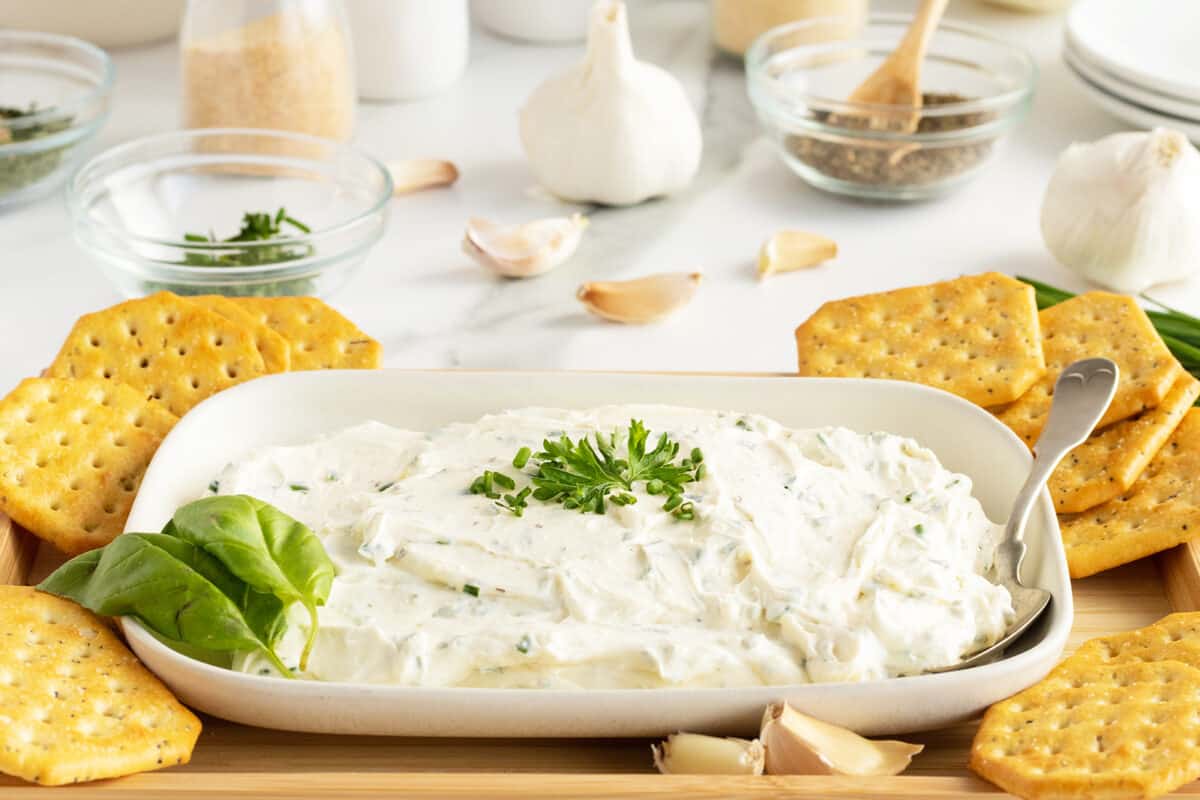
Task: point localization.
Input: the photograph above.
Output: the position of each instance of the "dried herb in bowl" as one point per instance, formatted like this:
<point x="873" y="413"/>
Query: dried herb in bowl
<point x="20" y="170"/>
<point x="838" y="154"/>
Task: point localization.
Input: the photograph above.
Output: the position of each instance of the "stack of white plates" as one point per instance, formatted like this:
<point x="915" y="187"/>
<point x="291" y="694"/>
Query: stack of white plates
<point x="1139" y="59"/>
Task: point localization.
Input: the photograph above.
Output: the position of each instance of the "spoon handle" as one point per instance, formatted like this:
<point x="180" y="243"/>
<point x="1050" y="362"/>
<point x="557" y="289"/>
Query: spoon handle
<point x="1082" y="394"/>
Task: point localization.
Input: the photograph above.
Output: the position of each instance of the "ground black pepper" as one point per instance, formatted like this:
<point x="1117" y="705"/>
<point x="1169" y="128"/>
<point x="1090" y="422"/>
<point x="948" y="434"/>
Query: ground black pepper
<point x="890" y="163"/>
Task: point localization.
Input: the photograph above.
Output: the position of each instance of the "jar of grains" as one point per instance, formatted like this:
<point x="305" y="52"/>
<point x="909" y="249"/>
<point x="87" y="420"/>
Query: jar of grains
<point x="280" y="64"/>
<point x="737" y="23"/>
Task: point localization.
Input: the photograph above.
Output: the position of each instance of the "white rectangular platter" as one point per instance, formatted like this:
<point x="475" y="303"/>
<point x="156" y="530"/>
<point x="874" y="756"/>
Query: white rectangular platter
<point x="295" y="407"/>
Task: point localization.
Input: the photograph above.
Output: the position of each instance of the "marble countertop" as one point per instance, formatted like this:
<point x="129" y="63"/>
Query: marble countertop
<point x="432" y="307"/>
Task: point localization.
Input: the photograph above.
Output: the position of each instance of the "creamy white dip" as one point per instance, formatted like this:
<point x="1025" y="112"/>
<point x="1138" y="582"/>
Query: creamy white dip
<point x="815" y="555"/>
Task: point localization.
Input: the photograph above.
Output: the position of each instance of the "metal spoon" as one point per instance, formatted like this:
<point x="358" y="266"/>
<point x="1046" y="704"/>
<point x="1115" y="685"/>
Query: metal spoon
<point x="1081" y="396"/>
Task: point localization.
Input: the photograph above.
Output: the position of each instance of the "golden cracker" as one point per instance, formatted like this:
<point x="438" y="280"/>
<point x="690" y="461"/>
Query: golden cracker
<point x="1097" y="324"/>
<point x="1175" y="637"/>
<point x="75" y="704"/>
<point x="274" y="349"/>
<point x="1112" y="459"/>
<point x="976" y="336"/>
<point x="1095" y="730"/>
<point x="1160" y="510"/>
<point x="320" y="337"/>
<point x="72" y="455"/>
<point x="176" y="351"/>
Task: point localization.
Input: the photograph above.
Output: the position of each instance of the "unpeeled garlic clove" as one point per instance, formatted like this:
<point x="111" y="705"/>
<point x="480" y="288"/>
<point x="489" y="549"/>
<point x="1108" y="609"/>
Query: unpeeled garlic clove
<point x="797" y="744"/>
<point x="419" y="174"/>
<point x="522" y="251"/>
<point x="792" y="250"/>
<point x="640" y="300"/>
<point x="694" y="754"/>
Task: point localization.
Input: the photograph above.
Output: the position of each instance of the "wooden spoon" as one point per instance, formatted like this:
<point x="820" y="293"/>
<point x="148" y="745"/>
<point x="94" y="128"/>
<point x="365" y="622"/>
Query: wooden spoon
<point x="897" y="81"/>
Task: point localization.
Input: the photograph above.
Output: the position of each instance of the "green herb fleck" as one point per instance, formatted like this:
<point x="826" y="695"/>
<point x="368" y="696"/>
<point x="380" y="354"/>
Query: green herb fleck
<point x="441" y="541"/>
<point x="214" y="486"/>
<point x="24" y="169"/>
<point x="522" y="458"/>
<point x="386" y="486"/>
<point x="257" y="226"/>
<point x="516" y="503"/>
<point x="525" y="645"/>
<point x="471" y="589"/>
<point x="919" y="528"/>
<point x="297" y="487"/>
<point x="908" y="497"/>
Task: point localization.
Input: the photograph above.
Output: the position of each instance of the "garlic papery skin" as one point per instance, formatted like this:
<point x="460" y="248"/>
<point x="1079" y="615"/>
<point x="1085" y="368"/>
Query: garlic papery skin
<point x="523" y="251"/>
<point x="797" y="744"/>
<point x="640" y="300"/>
<point x="612" y="129"/>
<point x="1124" y="211"/>
<point x="694" y="754"/>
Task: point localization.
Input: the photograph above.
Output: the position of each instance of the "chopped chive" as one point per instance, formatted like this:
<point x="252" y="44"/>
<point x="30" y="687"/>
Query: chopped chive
<point x="471" y="589"/>
<point x="522" y="458"/>
<point x="214" y="487"/>
<point x="386" y="486"/>
<point x="297" y="487"/>
<point x="441" y="541"/>
<point x="524" y="645"/>
<point x="503" y="481"/>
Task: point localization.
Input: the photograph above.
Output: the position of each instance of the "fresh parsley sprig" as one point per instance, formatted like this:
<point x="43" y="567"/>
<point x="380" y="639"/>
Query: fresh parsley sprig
<point x="586" y="477"/>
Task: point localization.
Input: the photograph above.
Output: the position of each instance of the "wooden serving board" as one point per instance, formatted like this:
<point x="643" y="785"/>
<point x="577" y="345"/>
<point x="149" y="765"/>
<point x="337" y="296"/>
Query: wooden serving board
<point x="235" y="761"/>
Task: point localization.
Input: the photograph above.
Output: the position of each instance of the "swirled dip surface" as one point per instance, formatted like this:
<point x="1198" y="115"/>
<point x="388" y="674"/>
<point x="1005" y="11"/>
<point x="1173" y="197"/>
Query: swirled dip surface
<point x="815" y="555"/>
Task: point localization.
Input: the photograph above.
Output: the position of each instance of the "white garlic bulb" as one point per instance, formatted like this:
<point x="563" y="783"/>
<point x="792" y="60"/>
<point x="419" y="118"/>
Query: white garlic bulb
<point x="612" y="129"/>
<point x="1124" y="211"/>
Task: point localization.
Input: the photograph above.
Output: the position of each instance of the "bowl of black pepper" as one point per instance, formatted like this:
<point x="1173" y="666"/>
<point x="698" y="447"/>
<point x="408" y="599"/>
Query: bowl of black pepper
<point x="975" y="89"/>
<point x="54" y="98"/>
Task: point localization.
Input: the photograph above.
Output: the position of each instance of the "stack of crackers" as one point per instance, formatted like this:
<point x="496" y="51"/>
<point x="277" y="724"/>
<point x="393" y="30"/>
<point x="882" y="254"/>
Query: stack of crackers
<point x="1116" y="719"/>
<point x="1122" y="495"/>
<point x="75" y="443"/>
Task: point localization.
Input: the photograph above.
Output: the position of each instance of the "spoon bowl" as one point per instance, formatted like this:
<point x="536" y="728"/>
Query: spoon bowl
<point x="1082" y="394"/>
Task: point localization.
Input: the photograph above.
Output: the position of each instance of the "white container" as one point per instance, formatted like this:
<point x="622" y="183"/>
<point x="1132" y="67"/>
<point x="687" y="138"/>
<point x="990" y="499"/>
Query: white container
<point x="105" y="23"/>
<point x="304" y="404"/>
<point x="542" y="21"/>
<point x="406" y="49"/>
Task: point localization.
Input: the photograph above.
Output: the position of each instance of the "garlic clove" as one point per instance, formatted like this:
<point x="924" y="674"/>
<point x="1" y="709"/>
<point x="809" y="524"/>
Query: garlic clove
<point x="641" y="300"/>
<point x="797" y="744"/>
<point x="522" y="251"/>
<point x="694" y="754"/>
<point x="791" y="250"/>
<point x="419" y="174"/>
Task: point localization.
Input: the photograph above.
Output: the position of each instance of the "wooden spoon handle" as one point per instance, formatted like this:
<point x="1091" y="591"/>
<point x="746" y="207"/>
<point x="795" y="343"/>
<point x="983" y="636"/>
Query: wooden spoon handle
<point x="911" y="50"/>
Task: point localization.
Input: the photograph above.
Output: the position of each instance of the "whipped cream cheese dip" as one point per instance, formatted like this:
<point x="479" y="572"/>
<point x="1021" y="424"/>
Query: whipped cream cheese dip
<point x="814" y="555"/>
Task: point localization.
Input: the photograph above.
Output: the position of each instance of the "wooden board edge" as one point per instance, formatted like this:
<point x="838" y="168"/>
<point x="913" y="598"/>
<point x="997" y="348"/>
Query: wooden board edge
<point x="18" y="552"/>
<point x="1180" y="569"/>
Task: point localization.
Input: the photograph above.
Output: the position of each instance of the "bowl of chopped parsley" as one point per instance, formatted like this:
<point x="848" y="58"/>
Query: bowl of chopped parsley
<point x="54" y="97"/>
<point x="237" y="212"/>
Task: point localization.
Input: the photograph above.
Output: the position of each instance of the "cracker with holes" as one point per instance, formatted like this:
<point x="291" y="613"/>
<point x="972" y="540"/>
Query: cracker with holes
<point x="174" y="350"/>
<point x="320" y="337"/>
<point x="1108" y="463"/>
<point x="1098" y="324"/>
<point x="1175" y="637"/>
<point x="1095" y="730"/>
<point x="72" y="454"/>
<point x="76" y="705"/>
<point x="1160" y="510"/>
<point x="274" y="349"/>
<point x="976" y="336"/>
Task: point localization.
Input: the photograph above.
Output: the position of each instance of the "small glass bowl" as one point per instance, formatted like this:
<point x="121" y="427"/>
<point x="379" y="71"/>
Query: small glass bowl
<point x="977" y="88"/>
<point x="67" y="83"/>
<point x="154" y="212"/>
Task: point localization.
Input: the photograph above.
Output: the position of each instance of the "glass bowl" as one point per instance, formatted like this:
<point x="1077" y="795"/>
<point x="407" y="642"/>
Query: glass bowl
<point x="54" y="97"/>
<point x="976" y="89"/>
<point x="167" y="212"/>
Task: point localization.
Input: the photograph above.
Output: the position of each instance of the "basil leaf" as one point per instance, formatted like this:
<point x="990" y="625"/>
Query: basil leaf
<point x="268" y="550"/>
<point x="162" y="582"/>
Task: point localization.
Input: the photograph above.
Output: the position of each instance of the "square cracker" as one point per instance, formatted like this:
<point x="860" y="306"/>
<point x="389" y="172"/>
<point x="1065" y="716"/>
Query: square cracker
<point x="72" y="454"/>
<point x="75" y="704"/>
<point x="1175" y="637"/>
<point x="174" y="350"/>
<point x="274" y="349"/>
<point x="1112" y="459"/>
<point x="1158" y="512"/>
<point x="320" y="337"/>
<point x="1097" y="324"/>
<point x="976" y="336"/>
<point x="1095" y="730"/>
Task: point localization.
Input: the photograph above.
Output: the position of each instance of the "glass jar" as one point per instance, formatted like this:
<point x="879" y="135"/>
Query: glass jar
<point x="278" y="64"/>
<point x="737" y="23"/>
